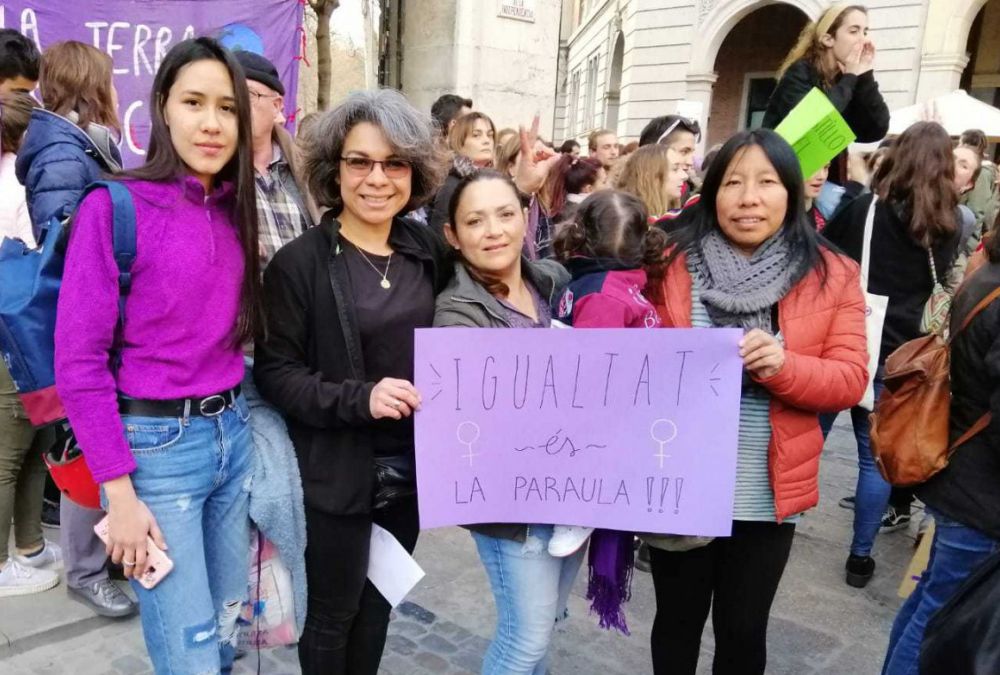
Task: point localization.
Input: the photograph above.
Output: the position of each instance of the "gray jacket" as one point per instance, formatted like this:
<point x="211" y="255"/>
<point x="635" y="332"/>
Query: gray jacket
<point x="277" y="505"/>
<point x="464" y="302"/>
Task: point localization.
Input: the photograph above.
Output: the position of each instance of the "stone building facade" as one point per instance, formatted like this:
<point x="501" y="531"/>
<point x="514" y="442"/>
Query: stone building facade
<point x="623" y="62"/>
<point x="500" y="53"/>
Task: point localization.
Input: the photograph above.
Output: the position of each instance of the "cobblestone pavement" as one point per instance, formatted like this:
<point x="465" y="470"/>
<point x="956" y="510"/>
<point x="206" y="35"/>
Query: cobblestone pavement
<point x="419" y="643"/>
<point x="819" y="625"/>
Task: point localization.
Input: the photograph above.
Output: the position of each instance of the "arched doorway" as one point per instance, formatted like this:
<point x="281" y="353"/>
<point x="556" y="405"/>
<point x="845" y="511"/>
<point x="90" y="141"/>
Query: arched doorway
<point x="613" y="97"/>
<point x="945" y="46"/>
<point x="981" y="77"/>
<point x="746" y="64"/>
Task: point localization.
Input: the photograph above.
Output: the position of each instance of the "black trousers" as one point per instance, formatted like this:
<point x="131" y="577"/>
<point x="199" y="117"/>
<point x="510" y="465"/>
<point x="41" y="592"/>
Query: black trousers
<point x="347" y="618"/>
<point x="737" y="577"/>
<point x="901" y="499"/>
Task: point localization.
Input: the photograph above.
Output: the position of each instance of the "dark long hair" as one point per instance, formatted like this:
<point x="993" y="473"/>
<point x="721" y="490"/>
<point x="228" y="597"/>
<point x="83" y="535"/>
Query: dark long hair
<point x="163" y="164"/>
<point x="611" y="225"/>
<point x="797" y="230"/>
<point x="569" y="175"/>
<point x="492" y="284"/>
<point x="582" y="171"/>
<point x="917" y="178"/>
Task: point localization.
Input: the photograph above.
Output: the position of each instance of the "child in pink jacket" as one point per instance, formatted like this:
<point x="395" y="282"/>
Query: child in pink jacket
<point x="607" y="247"/>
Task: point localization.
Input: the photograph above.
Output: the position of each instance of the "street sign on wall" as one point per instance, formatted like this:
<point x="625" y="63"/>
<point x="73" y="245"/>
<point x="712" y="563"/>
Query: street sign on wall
<point x="522" y="10"/>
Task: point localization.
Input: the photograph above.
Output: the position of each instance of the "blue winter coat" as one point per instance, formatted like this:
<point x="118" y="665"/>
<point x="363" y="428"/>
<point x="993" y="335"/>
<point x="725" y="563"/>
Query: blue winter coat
<point x="57" y="160"/>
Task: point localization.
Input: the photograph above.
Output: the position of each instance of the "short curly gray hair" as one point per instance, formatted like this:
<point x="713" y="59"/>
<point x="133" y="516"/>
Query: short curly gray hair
<point x="411" y="134"/>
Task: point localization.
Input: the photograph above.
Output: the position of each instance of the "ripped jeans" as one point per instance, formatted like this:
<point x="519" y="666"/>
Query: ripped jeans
<point x="194" y="474"/>
<point x="530" y="588"/>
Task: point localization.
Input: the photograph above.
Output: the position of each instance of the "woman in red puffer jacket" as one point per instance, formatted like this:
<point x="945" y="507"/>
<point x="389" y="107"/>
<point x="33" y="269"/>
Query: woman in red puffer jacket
<point x="749" y="258"/>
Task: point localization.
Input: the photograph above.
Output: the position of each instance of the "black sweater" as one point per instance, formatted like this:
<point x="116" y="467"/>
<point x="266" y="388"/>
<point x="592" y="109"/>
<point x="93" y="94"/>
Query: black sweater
<point x="311" y="365"/>
<point x="968" y="489"/>
<point x="856" y="97"/>
<point x="899" y="266"/>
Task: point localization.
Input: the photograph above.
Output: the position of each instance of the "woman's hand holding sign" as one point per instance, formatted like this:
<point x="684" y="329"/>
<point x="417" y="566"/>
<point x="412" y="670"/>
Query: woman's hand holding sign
<point x="394" y="399"/>
<point x="763" y="356"/>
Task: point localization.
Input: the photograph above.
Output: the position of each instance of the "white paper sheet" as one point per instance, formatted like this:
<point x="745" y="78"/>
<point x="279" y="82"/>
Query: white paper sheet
<point x="391" y="569"/>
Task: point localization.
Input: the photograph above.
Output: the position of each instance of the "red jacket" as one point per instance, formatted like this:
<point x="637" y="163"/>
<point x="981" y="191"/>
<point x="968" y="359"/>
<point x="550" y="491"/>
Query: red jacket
<point x="826" y="368"/>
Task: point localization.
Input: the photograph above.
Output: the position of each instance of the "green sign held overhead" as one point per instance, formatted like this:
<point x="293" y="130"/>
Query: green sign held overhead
<point x="816" y="131"/>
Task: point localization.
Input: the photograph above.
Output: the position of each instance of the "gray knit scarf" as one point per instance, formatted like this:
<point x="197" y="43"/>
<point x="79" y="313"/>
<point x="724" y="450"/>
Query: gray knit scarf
<point x="739" y="291"/>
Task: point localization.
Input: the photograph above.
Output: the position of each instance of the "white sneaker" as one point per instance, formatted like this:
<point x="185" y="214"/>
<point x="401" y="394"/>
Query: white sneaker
<point x="16" y="579"/>
<point x="567" y="540"/>
<point x="49" y="558"/>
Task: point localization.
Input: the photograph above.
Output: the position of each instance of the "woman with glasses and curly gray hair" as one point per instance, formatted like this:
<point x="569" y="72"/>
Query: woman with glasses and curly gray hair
<point x="342" y="302"/>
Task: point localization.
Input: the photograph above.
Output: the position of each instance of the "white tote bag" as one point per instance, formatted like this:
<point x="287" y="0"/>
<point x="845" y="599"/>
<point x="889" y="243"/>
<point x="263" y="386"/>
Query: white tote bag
<point x="875" y="307"/>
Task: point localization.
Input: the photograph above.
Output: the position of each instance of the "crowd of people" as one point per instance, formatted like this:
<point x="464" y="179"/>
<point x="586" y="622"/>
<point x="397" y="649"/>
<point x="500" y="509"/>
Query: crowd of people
<point x="278" y="282"/>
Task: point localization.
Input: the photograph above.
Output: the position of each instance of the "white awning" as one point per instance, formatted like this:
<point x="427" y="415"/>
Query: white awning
<point x="956" y="112"/>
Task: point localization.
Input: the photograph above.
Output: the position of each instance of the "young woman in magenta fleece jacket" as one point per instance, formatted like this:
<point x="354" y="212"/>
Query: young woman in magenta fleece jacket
<point x="165" y="433"/>
<point x="607" y="247"/>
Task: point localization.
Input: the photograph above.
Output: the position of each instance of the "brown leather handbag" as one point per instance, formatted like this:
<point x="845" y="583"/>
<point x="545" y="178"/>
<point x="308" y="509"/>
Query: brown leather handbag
<point x="909" y="428"/>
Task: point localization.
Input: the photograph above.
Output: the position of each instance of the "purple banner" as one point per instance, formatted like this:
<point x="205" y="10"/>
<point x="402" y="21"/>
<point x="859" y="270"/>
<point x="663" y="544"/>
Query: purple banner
<point x="137" y="34"/>
<point x="623" y="429"/>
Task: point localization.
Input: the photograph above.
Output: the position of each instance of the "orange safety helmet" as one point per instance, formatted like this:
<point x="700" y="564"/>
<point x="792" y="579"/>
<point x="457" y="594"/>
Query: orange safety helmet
<point x="69" y="471"/>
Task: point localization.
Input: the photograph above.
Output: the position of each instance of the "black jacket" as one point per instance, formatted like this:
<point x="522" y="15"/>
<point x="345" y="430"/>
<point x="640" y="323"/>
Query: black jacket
<point x="310" y="364"/>
<point x="899" y="266"/>
<point x="968" y="489"/>
<point x="856" y="97"/>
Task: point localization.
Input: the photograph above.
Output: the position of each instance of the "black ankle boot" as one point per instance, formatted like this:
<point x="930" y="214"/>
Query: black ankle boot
<point x="860" y="570"/>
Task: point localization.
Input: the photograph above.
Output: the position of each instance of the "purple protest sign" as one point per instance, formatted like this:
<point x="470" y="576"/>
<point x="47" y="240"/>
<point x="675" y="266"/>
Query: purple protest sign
<point x="622" y="429"/>
<point x="137" y="34"/>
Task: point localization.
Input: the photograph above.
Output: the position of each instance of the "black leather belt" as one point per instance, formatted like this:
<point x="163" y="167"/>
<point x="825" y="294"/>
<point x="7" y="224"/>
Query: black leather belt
<point x="210" y="406"/>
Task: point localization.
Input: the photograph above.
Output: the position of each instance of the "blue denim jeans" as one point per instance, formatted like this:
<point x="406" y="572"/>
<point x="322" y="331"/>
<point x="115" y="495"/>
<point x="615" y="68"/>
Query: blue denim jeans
<point x="872" y="492"/>
<point x="530" y="589"/>
<point x="955" y="554"/>
<point x="194" y="474"/>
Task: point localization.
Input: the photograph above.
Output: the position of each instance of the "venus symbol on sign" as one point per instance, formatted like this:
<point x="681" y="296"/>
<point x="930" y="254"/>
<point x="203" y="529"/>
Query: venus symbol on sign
<point x="468" y="433"/>
<point x="662" y="431"/>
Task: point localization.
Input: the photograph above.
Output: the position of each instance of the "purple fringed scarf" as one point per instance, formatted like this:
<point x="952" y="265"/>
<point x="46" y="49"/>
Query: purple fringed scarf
<point x="609" y="584"/>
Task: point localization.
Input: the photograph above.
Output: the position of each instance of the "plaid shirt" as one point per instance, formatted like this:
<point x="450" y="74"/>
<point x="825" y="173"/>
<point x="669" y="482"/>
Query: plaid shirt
<point x="280" y="208"/>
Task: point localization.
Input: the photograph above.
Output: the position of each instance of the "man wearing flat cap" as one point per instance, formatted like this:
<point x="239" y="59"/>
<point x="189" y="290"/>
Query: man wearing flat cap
<point x="282" y="202"/>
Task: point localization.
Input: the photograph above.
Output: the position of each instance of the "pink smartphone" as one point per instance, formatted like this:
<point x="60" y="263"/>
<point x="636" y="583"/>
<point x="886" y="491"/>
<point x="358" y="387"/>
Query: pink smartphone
<point x="159" y="564"/>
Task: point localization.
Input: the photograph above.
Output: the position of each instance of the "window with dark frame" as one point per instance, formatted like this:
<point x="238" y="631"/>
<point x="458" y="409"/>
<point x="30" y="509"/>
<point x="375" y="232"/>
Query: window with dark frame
<point x="759" y="90"/>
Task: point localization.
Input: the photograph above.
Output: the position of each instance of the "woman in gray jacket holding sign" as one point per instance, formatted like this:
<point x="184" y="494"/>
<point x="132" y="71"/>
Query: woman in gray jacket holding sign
<point x="495" y="287"/>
